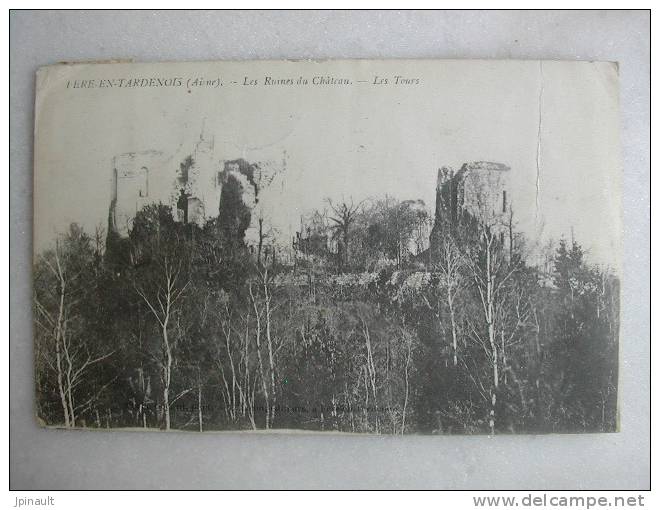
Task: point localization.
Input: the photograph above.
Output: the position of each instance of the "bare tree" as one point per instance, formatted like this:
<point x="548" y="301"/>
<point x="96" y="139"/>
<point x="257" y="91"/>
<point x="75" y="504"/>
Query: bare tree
<point x="407" y="338"/>
<point x="344" y="215"/>
<point x="449" y="265"/>
<point x="261" y="300"/>
<point x="490" y="269"/>
<point x="161" y="297"/>
<point x="370" y="368"/>
<point x="58" y="297"/>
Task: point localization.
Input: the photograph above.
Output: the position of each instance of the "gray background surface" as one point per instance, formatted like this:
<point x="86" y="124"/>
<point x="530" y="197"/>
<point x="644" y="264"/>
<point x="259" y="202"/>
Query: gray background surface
<point x="56" y="459"/>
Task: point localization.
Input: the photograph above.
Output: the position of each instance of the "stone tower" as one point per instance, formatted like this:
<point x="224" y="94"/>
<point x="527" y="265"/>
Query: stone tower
<point x="474" y="195"/>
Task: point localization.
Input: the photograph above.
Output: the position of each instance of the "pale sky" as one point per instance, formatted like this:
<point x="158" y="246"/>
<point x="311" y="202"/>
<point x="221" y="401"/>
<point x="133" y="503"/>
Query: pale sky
<point x="359" y="140"/>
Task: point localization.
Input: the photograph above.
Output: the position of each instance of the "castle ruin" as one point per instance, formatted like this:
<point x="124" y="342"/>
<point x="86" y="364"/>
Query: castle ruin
<point x="190" y="182"/>
<point x="475" y="194"/>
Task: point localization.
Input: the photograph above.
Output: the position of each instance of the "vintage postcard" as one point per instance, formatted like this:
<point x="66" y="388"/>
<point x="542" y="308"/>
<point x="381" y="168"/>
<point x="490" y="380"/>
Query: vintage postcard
<point x="382" y="247"/>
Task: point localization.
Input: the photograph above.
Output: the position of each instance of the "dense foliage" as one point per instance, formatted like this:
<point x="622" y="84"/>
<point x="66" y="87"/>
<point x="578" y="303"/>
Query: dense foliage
<point x="361" y="328"/>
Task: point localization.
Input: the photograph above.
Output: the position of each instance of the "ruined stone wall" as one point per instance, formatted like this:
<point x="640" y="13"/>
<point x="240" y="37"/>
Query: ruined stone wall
<point x="189" y="181"/>
<point x="476" y="194"/>
<point x="484" y="191"/>
<point x="133" y="187"/>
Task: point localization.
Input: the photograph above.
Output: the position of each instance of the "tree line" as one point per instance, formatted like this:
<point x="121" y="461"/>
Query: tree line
<point x="367" y="322"/>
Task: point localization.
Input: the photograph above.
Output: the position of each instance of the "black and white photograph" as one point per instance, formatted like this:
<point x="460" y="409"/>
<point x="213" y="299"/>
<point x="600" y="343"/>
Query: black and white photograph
<point x="355" y="247"/>
<point x="330" y="248"/>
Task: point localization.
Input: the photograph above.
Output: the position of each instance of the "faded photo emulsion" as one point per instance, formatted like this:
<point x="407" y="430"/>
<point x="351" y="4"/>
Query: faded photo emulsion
<point x="380" y="247"/>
